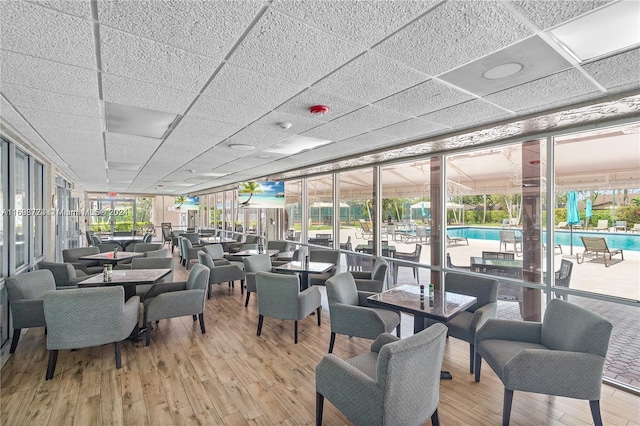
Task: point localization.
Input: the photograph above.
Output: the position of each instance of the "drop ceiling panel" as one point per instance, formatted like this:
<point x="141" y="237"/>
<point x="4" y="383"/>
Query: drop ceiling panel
<point x="248" y="87"/>
<point x="618" y="72"/>
<point x="299" y="124"/>
<point x="136" y="93"/>
<point x="220" y="110"/>
<point x="453" y="34"/>
<point x="333" y="131"/>
<point x="369" y="118"/>
<point x="49" y="101"/>
<point x="290" y="50"/>
<point x="41" y="118"/>
<point x="120" y="176"/>
<point x="425" y="97"/>
<point x="216" y="131"/>
<point x="143" y="59"/>
<point x="466" y="114"/>
<point x="125" y="148"/>
<point x="256" y="136"/>
<point x="66" y="143"/>
<point x="79" y="8"/>
<point x="369" y="78"/>
<point x="375" y="19"/>
<point x="338" y="106"/>
<point x="563" y="87"/>
<point x="412" y="129"/>
<point x="547" y="14"/>
<point x="38" y="31"/>
<point x="209" y="28"/>
<point x="47" y="75"/>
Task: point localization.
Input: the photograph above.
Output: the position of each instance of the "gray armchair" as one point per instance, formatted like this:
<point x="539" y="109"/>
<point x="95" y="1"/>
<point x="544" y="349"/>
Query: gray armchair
<point x="411" y="257"/>
<point x="280" y="245"/>
<point x="84" y="317"/>
<point x="253" y="264"/>
<point x="87" y="266"/>
<point x="26" y="293"/>
<point x="350" y="314"/>
<point x="397" y="383"/>
<point x="465" y="325"/>
<point x="325" y="256"/>
<point x="220" y="272"/>
<point x="65" y="275"/>
<point x="157" y="253"/>
<point x="189" y="251"/>
<point x="177" y="299"/>
<point x="564" y="355"/>
<point x="372" y="281"/>
<point x="279" y="296"/>
<point x="152" y="263"/>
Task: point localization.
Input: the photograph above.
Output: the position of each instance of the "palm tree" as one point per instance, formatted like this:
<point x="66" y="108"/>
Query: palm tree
<point x="249" y="188"/>
<point x="181" y="199"/>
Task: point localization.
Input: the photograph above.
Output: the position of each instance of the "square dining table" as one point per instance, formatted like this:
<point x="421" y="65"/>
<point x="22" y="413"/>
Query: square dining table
<point x="304" y="269"/>
<point x="110" y="257"/>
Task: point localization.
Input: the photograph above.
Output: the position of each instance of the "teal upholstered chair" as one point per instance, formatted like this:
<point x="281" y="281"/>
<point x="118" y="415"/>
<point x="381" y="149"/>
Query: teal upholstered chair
<point x="374" y="280"/>
<point x="252" y="265"/>
<point x="65" y="275"/>
<point x="221" y="271"/>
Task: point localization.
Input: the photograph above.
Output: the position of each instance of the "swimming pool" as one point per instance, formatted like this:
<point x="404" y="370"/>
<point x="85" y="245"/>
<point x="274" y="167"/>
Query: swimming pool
<point x="618" y="240"/>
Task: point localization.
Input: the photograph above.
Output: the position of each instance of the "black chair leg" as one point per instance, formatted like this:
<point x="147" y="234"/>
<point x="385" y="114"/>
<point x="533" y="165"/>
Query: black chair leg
<point x="472" y="351"/>
<point x="435" y="421"/>
<point x="201" y="318"/>
<point x="398" y="330"/>
<point x="319" y="408"/>
<point x="51" y="365"/>
<point x="246" y="302"/>
<point x="195" y="317"/>
<point x="595" y="412"/>
<point x="478" y="364"/>
<point x="319" y="315"/>
<point x="148" y="334"/>
<point x="208" y="291"/>
<point x="506" y="408"/>
<point x="295" y="332"/>
<point x="241" y="287"/>
<point x="118" y="356"/>
<point x="260" y="320"/>
<point x="332" y="342"/>
<point x="14" y="341"/>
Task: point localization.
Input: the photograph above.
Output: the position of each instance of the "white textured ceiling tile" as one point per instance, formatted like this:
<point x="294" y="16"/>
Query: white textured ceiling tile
<point x="290" y="50"/>
<point x="206" y="27"/>
<point x="247" y="87"/>
<point x="412" y="129"/>
<point x="370" y="78"/>
<point x="370" y="118"/>
<point x="547" y="14"/>
<point x="299" y="124"/>
<point x="338" y="106"/>
<point x="621" y="71"/>
<point x="333" y="132"/>
<point x="375" y="19"/>
<point x="79" y="8"/>
<point x="66" y="142"/>
<point x="50" y="101"/>
<point x="429" y="96"/>
<point x="229" y="112"/>
<point x="123" y="148"/>
<point x="46" y="75"/>
<point x="453" y="34"/>
<point x="120" y="176"/>
<point x="377" y="137"/>
<point x="257" y="136"/>
<point x="125" y="91"/>
<point x="214" y="130"/>
<point x="143" y="59"/>
<point x="34" y="30"/>
<point x="561" y="87"/>
<point x="41" y="118"/>
<point x="11" y="122"/>
<point x="463" y="115"/>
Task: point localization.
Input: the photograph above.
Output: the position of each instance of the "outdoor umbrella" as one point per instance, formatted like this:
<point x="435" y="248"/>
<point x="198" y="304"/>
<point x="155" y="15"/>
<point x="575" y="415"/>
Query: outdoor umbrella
<point x="588" y="212"/>
<point x="573" y="217"/>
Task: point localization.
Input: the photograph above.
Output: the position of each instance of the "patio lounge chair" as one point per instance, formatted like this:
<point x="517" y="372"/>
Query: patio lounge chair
<point x="562" y="225"/>
<point x="603" y="225"/>
<point x="620" y="224"/>
<point x="456" y="240"/>
<point x="597" y="246"/>
<point x="365" y="230"/>
<point x="636" y="228"/>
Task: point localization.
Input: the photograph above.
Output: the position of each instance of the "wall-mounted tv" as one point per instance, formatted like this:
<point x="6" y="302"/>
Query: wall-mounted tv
<point x="187" y="203"/>
<point x="261" y="195"/>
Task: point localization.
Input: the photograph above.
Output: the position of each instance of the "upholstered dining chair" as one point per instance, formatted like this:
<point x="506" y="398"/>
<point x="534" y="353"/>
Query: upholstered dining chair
<point x="465" y="325"/>
<point x="412" y="257"/>
<point x="324" y="256"/>
<point x="26" y="293"/>
<point x="396" y="383"/>
<point x="85" y="317"/>
<point x="189" y="252"/>
<point x="221" y="271"/>
<point x="152" y="263"/>
<point x="350" y="313"/>
<point x="252" y="265"/>
<point x="372" y="281"/>
<point x="177" y="299"/>
<point x="563" y="355"/>
<point x="73" y="256"/>
<point x="279" y="296"/>
<point x="65" y="275"/>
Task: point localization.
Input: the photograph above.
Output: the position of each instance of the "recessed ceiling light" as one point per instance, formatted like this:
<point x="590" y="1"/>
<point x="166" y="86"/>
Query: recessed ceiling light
<point x="138" y="121"/>
<point x="214" y="174"/>
<point x="242" y="147"/>
<point x="503" y="71"/>
<point x="296" y="144"/>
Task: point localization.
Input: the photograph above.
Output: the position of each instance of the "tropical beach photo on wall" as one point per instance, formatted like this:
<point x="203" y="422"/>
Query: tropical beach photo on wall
<point x="261" y="195"/>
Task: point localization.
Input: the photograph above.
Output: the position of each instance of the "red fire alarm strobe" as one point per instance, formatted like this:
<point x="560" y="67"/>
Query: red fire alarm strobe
<point x="319" y="109"/>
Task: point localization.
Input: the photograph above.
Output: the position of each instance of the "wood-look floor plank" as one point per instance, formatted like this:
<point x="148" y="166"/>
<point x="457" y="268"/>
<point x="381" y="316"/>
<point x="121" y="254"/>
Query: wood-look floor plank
<point x="231" y="376"/>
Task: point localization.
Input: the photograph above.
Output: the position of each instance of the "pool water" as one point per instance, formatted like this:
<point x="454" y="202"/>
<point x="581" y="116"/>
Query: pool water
<point x="615" y="240"/>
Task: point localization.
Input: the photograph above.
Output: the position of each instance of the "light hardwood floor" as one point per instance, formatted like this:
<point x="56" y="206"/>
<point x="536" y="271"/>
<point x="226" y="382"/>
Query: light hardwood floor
<point x="231" y="376"/>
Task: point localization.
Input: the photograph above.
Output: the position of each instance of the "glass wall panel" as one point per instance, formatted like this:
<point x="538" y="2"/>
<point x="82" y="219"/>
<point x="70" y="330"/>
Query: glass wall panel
<point x="4" y="179"/>
<point x="321" y="210"/>
<point x="293" y="209"/>
<point x="39" y="205"/>
<point x="21" y="202"/>
<point x="357" y="217"/>
<point x="598" y="203"/>
<point x="144" y="219"/>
